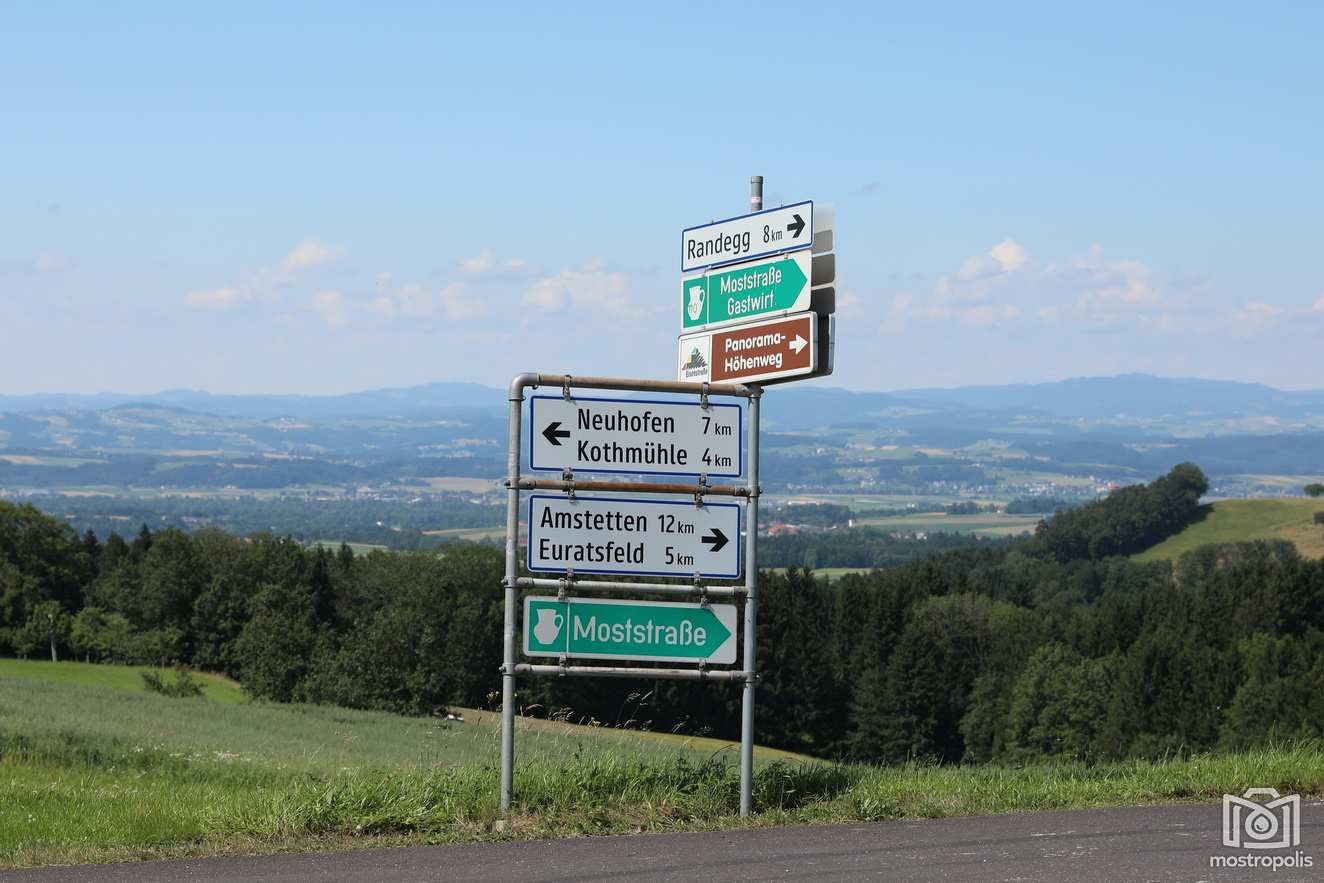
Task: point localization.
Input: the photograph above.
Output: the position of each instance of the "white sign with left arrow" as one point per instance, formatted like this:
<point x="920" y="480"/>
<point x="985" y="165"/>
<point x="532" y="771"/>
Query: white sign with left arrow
<point x="635" y="436"/>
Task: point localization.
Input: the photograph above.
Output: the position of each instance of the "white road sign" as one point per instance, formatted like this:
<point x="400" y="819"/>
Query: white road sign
<point x="747" y="237"/>
<point x="634" y="536"/>
<point x="635" y="436"/>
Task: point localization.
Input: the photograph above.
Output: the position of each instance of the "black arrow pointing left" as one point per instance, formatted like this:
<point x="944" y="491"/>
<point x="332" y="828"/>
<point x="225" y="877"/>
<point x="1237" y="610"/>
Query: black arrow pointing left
<point x="716" y="540"/>
<point x="797" y="227"/>
<point x="554" y="433"/>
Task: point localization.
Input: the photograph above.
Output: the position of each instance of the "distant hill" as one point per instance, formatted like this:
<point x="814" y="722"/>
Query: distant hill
<point x="1231" y="521"/>
<point x="402" y="401"/>
<point x="975" y="408"/>
<point x="1135" y="395"/>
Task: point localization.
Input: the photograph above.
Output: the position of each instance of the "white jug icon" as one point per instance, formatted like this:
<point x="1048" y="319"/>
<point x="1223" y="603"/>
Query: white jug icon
<point x="695" y="306"/>
<point x="548" y="626"/>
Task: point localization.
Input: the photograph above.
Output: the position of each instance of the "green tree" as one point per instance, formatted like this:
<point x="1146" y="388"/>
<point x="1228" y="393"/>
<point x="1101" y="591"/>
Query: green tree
<point x="1281" y="695"/>
<point x="1314" y="490"/>
<point x="275" y="648"/>
<point x="46" y="630"/>
<point x="1059" y="706"/>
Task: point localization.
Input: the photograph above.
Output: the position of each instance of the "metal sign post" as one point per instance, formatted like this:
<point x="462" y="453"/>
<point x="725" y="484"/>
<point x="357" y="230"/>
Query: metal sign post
<point x="687" y="537"/>
<point x="756" y="307"/>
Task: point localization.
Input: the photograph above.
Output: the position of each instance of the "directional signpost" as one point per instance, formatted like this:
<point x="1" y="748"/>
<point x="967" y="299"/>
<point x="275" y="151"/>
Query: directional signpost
<point x="743" y="292"/>
<point x="635" y="436"/>
<point x="633" y="536"/>
<point x="747" y="237"/>
<point x="649" y="631"/>
<point x="761" y="352"/>
<point x="756" y="308"/>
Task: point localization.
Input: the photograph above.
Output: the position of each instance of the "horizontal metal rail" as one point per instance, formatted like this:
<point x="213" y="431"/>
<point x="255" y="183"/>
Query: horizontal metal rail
<point x="669" y="674"/>
<point x="632" y="487"/>
<point x="574" y="382"/>
<point x="594" y="585"/>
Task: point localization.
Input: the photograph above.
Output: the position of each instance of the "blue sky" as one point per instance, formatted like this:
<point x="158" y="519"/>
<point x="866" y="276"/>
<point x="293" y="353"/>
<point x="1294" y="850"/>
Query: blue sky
<point x="330" y="197"/>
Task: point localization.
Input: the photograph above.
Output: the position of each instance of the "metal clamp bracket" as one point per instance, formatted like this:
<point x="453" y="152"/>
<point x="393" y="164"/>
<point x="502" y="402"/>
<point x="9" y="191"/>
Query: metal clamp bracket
<point x="703" y="396"/>
<point x="565" y="387"/>
<point x="700" y="489"/>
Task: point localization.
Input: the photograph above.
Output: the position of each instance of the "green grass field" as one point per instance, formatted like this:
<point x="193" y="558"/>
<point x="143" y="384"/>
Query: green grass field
<point x="216" y="688"/>
<point x="1231" y="521"/>
<point x="94" y="769"/>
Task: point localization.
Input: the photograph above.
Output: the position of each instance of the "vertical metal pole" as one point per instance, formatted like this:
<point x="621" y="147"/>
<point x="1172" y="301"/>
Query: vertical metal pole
<point x="756" y="193"/>
<point x="512" y="573"/>
<point x="751" y="608"/>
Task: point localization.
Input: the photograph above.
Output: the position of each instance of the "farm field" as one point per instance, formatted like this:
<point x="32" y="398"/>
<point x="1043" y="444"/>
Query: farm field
<point x="357" y="548"/>
<point x="989" y="525"/>
<point x="471" y="534"/>
<point x="864" y="502"/>
<point x="1232" y="521"/>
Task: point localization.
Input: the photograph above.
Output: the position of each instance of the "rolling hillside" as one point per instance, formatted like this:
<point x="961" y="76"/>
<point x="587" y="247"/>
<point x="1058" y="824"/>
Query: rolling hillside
<point x="1232" y="521"/>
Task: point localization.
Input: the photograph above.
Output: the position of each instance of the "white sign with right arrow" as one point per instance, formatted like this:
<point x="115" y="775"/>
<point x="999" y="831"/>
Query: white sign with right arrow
<point x="746" y="237"/>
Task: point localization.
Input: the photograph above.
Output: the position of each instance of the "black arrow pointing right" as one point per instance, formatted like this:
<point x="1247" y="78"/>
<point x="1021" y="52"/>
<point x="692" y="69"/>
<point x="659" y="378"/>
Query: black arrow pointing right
<point x="716" y="538"/>
<point x="554" y="433"/>
<point x="798" y="226"/>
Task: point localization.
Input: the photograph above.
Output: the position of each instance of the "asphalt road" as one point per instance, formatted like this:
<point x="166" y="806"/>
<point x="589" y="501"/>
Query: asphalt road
<point x="1130" y="844"/>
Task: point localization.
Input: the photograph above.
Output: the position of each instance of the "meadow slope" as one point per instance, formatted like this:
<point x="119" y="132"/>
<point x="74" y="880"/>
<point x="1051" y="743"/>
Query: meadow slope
<point x="103" y="771"/>
<point x="1232" y="521"/>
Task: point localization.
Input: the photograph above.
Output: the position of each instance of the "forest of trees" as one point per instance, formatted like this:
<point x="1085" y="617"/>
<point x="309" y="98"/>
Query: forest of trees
<point x="1056" y="646"/>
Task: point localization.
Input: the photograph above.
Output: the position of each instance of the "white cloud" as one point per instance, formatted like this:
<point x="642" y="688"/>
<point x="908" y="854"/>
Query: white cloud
<point x="332" y="307"/>
<point x="458" y="305"/>
<point x="989" y="315"/>
<point x="592" y="286"/>
<point x="1257" y="315"/>
<point x="1009" y="255"/>
<point x="453" y="302"/>
<point x="1318" y="306"/>
<point x="216" y="298"/>
<point x="483" y="262"/>
<point x="894" y="322"/>
<point x="309" y="253"/>
<point x="1004" y="285"/>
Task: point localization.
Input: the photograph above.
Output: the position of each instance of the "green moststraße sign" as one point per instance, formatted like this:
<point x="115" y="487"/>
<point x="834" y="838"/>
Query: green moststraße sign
<point x="657" y="631"/>
<point x="747" y="291"/>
